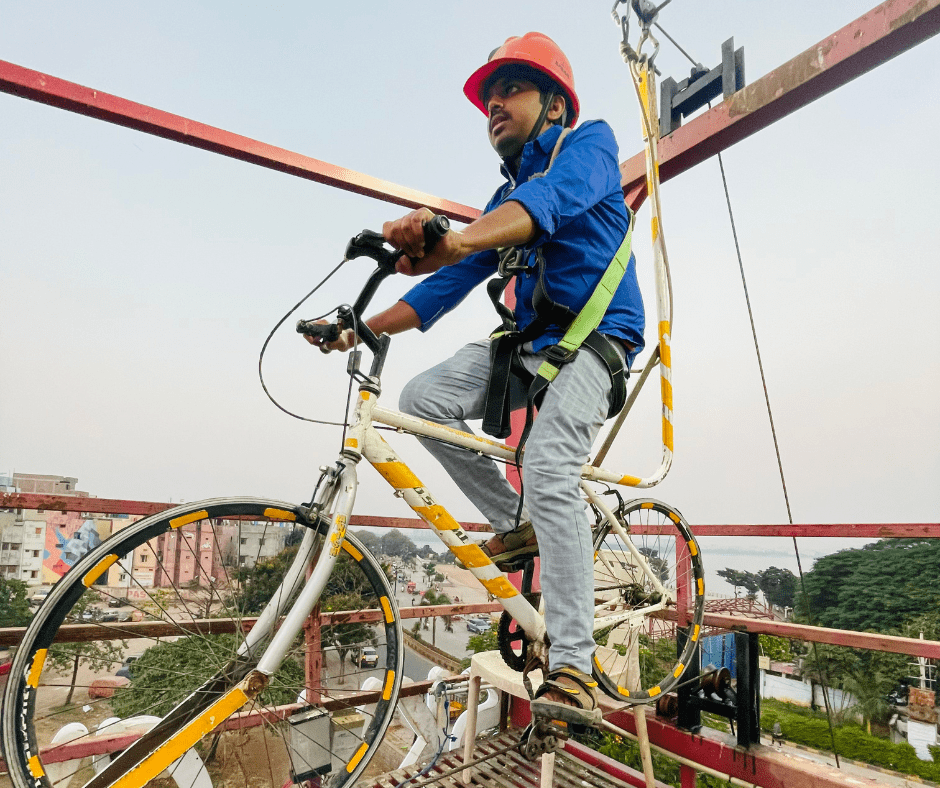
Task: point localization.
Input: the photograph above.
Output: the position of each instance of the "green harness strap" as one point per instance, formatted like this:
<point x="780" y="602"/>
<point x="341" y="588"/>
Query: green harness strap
<point x="591" y="314"/>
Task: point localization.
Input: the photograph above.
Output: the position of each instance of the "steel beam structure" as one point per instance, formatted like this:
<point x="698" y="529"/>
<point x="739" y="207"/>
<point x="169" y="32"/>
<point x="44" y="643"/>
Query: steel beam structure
<point x="874" y="38"/>
<point x="757" y="765"/>
<point x="77" y="503"/>
<point x="46" y="89"/>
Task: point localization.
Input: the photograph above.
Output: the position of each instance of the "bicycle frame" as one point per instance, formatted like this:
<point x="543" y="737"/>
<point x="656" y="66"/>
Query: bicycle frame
<point x="363" y="441"/>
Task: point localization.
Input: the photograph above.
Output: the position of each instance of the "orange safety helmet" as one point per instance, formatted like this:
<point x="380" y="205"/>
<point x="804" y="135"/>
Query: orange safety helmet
<point x="535" y="50"/>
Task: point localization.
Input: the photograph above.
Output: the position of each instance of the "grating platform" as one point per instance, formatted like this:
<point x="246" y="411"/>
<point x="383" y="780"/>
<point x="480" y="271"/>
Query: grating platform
<point x="506" y="769"/>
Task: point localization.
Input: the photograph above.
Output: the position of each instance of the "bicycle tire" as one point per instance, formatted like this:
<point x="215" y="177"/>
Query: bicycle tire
<point x="638" y="659"/>
<point x="177" y="658"/>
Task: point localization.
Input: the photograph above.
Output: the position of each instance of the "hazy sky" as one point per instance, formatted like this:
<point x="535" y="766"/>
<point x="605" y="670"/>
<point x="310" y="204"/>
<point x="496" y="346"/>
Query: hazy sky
<point x="140" y="277"/>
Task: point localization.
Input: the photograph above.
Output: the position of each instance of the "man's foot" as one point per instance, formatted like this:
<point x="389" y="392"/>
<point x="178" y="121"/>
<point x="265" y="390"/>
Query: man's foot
<point x="569" y="696"/>
<point x="510" y="551"/>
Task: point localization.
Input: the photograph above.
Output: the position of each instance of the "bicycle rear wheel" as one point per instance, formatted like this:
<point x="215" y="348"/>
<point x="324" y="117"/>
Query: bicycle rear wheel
<point x="183" y="588"/>
<point x="645" y="573"/>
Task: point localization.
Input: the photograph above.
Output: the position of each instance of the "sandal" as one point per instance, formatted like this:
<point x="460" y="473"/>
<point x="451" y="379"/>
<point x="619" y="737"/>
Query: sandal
<point x="511" y="549"/>
<point x="580" y="687"/>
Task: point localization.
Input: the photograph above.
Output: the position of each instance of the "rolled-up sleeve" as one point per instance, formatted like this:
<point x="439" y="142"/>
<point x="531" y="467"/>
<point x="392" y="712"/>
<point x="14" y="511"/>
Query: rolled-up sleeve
<point x="434" y="297"/>
<point x="584" y="173"/>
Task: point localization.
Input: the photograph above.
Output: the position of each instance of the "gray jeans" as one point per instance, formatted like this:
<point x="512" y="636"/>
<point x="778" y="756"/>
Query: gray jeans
<point x="574" y="408"/>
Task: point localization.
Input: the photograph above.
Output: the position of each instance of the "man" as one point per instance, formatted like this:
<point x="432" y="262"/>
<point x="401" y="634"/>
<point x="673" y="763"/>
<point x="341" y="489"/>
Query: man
<point x="565" y="216"/>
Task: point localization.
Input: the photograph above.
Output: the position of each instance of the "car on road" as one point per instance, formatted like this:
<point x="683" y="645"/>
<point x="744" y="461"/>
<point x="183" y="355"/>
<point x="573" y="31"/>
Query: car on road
<point x="39" y="597"/>
<point x="118" y="601"/>
<point x="125" y="670"/>
<point x="478" y="625"/>
<point x="108" y="615"/>
<point x="91" y="614"/>
<point x="368" y="658"/>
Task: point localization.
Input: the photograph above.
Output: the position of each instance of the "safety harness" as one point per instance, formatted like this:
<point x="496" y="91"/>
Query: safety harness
<point x="580" y="331"/>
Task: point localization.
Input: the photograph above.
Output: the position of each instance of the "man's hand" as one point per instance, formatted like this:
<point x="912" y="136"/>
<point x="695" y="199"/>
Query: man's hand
<point x="407" y="234"/>
<point x="346" y="340"/>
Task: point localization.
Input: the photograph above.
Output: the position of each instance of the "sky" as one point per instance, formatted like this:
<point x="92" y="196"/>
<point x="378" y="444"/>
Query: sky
<point x="139" y="277"/>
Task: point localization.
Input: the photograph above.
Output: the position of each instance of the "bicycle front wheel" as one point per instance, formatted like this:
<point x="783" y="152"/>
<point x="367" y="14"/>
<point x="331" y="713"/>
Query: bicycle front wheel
<point x="647" y="574"/>
<point x="150" y="627"/>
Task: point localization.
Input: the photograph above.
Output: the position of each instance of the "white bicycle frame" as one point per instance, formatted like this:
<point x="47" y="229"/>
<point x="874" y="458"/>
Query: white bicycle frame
<point x="364" y="441"/>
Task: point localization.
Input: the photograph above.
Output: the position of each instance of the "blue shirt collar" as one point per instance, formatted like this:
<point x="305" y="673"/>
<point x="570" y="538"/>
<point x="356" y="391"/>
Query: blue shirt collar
<point x="544" y="144"/>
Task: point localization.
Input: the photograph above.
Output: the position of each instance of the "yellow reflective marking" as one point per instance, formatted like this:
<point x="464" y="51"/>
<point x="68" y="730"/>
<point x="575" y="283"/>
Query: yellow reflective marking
<point x="35" y="767"/>
<point x="666" y="388"/>
<point x="655" y="228"/>
<point x="397" y="474"/>
<point x="624" y="692"/>
<point x="389" y="682"/>
<point x="471" y="556"/>
<point x="665" y="352"/>
<point x="354" y="761"/>
<point x="701" y="586"/>
<point x="179" y="743"/>
<point x="38" y="661"/>
<point x="387" y="609"/>
<point x="437" y="516"/>
<point x="695" y="632"/>
<point x="352" y="443"/>
<point x="654" y="692"/>
<point x="674" y="517"/>
<point x="365" y="394"/>
<point x="188" y="518"/>
<point x="678" y="671"/>
<point x="98" y="570"/>
<point x="500" y="587"/>
<point x="279" y="514"/>
<point x="351" y="550"/>
<point x="693" y="548"/>
<point x="667" y="434"/>
<point x="647" y="505"/>
<point x="630" y="481"/>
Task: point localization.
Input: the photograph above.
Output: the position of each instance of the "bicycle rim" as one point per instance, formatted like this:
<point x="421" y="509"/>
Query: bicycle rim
<point x="195" y="577"/>
<point x="637" y="597"/>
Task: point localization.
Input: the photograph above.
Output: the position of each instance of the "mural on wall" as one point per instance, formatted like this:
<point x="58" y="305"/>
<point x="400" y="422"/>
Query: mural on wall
<point x="66" y="544"/>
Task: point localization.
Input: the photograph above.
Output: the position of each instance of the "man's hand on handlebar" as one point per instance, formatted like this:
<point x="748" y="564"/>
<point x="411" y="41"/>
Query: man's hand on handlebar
<point x="407" y="234"/>
<point x="344" y="343"/>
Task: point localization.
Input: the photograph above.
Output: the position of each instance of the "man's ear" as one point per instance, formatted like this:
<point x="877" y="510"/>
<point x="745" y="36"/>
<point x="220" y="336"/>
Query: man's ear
<point x="557" y="108"/>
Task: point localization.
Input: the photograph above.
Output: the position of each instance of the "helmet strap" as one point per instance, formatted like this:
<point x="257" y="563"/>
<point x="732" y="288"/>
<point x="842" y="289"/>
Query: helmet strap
<point x="547" y="98"/>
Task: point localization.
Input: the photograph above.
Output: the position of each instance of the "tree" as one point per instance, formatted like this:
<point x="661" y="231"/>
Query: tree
<point x="156" y="687"/>
<point x="740" y="578"/>
<point x="14" y="606"/>
<point x="397" y="544"/>
<point x="345" y="637"/>
<point x="778" y="586"/>
<point x="876" y="588"/>
<point x="430" y="569"/>
<point x="99" y="655"/>
<point x="432" y="597"/>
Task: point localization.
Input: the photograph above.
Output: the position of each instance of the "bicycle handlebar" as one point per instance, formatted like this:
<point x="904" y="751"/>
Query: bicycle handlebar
<point x="371" y="244"/>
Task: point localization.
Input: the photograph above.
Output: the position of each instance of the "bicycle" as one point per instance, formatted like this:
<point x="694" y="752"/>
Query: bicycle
<point x="255" y="667"/>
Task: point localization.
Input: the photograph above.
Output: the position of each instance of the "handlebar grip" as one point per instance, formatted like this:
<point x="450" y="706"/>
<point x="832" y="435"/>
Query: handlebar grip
<point x="311" y="328"/>
<point x="434" y="230"/>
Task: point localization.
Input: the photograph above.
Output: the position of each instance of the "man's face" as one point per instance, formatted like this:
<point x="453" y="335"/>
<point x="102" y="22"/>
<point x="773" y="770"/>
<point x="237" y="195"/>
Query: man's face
<point x="513" y="106"/>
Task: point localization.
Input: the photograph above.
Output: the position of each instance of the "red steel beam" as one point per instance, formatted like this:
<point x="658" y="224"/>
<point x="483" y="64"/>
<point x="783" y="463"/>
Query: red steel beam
<point x="75" y="503"/>
<point x="757" y="765"/>
<point x="834" y="637"/>
<point x="46" y="89"/>
<point x="883" y="33"/>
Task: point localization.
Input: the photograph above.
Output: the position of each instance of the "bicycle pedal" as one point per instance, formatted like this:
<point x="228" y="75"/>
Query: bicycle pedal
<point x="542" y="737"/>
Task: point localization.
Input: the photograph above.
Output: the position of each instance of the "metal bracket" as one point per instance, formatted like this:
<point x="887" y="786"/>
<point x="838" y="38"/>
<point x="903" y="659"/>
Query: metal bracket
<point x="681" y="99"/>
<point x="713" y="693"/>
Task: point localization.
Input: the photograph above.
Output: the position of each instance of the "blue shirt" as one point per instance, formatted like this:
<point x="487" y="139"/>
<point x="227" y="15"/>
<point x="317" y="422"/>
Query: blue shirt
<point x="581" y="221"/>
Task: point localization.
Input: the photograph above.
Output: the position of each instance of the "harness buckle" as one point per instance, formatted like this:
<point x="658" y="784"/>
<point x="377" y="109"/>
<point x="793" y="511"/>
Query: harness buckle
<point x="559" y="355"/>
